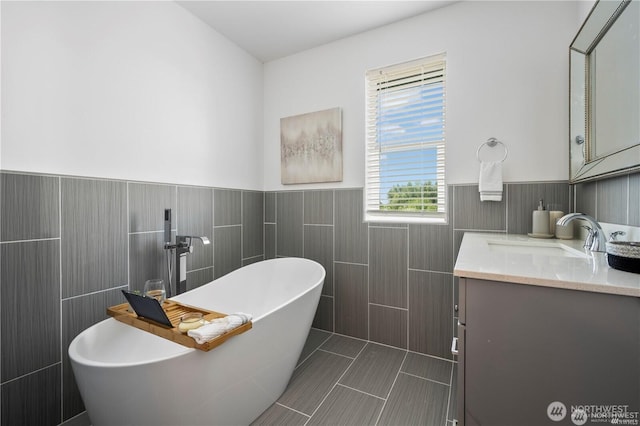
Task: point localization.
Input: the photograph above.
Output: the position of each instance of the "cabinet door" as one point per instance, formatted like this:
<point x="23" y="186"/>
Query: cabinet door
<point x="528" y="346"/>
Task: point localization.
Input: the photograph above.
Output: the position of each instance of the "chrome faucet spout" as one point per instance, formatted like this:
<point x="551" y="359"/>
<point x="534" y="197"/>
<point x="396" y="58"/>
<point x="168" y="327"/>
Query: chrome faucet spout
<point x="187" y="239"/>
<point x="596" y="240"/>
<point x="204" y="240"/>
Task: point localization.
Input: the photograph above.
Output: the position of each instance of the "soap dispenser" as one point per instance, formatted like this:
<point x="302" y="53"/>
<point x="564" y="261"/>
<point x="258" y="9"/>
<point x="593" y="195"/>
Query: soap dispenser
<point x="540" y="222"/>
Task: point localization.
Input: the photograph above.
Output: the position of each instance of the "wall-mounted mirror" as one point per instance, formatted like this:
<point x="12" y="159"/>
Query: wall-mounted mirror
<point x="604" y="96"/>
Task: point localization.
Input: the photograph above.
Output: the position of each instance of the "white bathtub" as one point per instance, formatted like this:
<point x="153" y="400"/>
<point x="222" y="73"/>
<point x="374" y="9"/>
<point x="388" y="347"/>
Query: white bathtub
<point x="130" y="377"/>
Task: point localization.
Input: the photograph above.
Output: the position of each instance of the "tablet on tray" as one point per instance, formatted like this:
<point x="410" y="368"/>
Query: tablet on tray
<point x="148" y="308"/>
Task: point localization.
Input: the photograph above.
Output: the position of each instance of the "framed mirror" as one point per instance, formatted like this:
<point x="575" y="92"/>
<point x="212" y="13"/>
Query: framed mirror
<point x="604" y="92"/>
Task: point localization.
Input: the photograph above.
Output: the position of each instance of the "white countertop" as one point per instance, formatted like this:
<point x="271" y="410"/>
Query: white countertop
<point x="483" y="256"/>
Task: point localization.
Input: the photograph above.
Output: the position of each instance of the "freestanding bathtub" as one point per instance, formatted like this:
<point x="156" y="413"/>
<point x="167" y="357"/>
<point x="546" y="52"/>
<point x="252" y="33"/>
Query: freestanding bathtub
<point x="127" y="376"/>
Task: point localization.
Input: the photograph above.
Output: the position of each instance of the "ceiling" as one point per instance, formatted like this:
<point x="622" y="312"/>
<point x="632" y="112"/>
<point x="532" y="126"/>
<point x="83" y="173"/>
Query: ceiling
<point x="270" y="30"/>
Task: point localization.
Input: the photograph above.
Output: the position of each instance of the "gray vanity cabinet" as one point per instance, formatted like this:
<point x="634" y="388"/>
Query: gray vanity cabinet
<point x="522" y="347"/>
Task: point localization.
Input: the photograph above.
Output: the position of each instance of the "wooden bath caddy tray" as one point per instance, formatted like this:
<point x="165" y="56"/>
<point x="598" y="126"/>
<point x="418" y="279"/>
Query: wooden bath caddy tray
<point x="174" y="311"/>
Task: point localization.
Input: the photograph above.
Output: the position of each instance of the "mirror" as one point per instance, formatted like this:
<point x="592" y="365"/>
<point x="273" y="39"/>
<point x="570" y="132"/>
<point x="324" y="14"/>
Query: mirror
<point x="604" y="92"/>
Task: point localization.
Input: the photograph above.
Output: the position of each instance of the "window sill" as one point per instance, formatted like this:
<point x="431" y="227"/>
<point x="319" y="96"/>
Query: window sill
<point x="386" y="218"/>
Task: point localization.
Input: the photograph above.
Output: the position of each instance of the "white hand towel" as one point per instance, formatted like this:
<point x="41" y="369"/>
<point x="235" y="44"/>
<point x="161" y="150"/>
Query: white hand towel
<point x="490" y="181"/>
<point x="218" y="327"/>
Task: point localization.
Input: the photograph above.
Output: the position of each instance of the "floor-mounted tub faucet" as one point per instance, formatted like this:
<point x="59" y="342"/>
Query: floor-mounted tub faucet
<point x="182" y="247"/>
<point x="596" y="240"/>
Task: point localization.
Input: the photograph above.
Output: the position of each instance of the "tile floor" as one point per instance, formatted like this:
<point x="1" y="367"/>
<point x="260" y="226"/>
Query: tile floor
<point x="344" y="381"/>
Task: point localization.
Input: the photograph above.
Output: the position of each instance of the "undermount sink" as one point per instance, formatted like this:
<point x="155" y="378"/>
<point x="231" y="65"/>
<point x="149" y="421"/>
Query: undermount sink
<point x="545" y="248"/>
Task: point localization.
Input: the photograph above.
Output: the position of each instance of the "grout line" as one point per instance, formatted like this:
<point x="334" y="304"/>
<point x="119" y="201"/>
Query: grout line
<point x="34" y="372"/>
<point x="333" y="260"/>
<point x="494" y="231"/>
<point x="424" y="378"/>
<point x="450" y="393"/>
<point x="252" y="257"/>
<point x="336" y="383"/>
<point x="200" y="269"/>
<point x="213" y="229"/>
<point x="432" y="356"/>
<point x="408" y="289"/>
<point x="506" y="208"/>
<point x="151" y="232"/>
<point x="595" y="207"/>
<point x="390" y="307"/>
<point x="2" y="176"/>
<point x="60" y="288"/>
<point x="359" y="391"/>
<point x="334" y="353"/>
<point x="70" y="420"/>
<point x="628" y="198"/>
<point x="128" y="213"/>
<point x="354" y="338"/>
<point x="292" y="409"/>
<point x="391" y="389"/>
<point x="314" y="351"/>
<point x="170" y="254"/>
<point x="241" y="226"/>
<point x="227" y="226"/>
<point x="368" y="282"/>
<point x="383" y="344"/>
<point x="430" y="271"/>
<point x="94" y="292"/>
<point x="351" y="263"/>
<point x="453" y="256"/>
<point x="401" y="225"/>
<point x="264" y="222"/>
<point x="30" y="241"/>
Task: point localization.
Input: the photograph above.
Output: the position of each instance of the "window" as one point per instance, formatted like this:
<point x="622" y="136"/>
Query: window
<point x="405" y="137"/>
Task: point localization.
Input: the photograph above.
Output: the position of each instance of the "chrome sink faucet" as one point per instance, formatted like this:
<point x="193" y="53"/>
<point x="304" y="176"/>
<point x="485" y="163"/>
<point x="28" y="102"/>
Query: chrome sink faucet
<point x="596" y="240"/>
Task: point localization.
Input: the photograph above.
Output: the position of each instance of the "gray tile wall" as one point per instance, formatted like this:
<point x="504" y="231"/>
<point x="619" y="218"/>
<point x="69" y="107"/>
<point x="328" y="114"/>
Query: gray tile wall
<point x="393" y="283"/>
<point x="69" y="245"/>
<point x="614" y="200"/>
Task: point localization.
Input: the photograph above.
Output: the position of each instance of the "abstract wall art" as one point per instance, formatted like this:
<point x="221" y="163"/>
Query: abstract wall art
<point x="311" y="147"/>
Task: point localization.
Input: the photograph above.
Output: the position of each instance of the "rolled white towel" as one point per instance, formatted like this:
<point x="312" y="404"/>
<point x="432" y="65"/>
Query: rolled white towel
<point x="218" y="327"/>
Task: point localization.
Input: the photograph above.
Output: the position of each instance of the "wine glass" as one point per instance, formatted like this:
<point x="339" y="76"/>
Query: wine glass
<point x="155" y="288"/>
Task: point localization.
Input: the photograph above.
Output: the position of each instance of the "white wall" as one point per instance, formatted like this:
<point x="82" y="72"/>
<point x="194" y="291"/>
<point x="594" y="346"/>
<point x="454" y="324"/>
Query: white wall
<point x="507" y="78"/>
<point x="128" y="90"/>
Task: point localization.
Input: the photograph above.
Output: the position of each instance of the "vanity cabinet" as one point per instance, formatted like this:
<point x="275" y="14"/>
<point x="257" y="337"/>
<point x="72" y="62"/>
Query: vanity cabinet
<point x="522" y="347"/>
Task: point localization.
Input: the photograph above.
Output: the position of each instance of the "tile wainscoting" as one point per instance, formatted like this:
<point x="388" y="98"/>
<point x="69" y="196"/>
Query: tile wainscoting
<point x="69" y="244"/>
<point x="393" y="283"/>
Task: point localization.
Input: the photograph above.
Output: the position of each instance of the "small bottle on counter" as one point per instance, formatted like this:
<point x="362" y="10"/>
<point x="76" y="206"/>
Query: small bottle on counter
<point x="540" y="222"/>
<point x="554" y="215"/>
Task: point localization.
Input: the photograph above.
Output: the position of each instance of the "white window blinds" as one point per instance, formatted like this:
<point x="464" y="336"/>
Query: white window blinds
<point x="406" y="140"/>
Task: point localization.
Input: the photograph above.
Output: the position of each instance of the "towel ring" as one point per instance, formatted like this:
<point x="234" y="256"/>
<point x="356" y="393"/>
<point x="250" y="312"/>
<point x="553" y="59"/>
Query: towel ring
<point x="492" y="142"/>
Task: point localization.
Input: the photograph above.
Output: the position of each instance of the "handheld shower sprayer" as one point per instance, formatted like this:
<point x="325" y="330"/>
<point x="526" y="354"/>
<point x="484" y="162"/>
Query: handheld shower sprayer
<point x="167" y="226"/>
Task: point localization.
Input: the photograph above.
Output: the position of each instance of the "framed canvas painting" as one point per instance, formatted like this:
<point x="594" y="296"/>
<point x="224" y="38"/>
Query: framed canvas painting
<point x="311" y="147"/>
